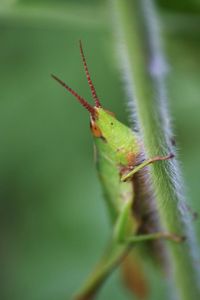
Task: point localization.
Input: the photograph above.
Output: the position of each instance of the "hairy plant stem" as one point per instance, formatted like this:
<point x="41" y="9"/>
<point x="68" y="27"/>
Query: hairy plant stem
<point x="145" y="72"/>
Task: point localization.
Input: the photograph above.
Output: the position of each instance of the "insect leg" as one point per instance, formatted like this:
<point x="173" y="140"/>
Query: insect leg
<point x="125" y="224"/>
<point x="128" y="175"/>
<point x="122" y="224"/>
<point x="155" y="236"/>
<point x="111" y="259"/>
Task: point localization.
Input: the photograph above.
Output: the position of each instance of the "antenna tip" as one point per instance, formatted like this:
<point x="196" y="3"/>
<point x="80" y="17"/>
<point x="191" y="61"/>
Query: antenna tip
<point x="81" y="45"/>
<point x="53" y="76"/>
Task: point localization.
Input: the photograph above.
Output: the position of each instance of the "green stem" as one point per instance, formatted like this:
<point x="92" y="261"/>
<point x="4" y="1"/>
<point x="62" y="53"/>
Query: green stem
<point x="135" y="22"/>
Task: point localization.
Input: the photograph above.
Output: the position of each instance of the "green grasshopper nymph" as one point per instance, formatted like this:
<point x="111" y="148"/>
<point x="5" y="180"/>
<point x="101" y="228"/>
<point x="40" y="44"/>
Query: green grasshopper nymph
<point x="120" y="163"/>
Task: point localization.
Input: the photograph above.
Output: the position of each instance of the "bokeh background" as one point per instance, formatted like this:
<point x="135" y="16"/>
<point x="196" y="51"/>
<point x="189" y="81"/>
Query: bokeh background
<point x="53" y="222"/>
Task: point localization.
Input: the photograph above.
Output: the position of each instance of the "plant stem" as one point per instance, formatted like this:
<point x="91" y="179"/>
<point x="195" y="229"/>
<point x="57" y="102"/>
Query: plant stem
<point x="145" y="71"/>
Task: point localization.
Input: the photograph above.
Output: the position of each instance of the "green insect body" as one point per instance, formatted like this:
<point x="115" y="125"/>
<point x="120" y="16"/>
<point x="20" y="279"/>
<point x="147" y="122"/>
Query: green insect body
<point x="119" y="159"/>
<point x="117" y="149"/>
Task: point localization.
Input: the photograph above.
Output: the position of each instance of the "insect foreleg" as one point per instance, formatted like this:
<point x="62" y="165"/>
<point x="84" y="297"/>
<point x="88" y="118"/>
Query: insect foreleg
<point x="147" y="162"/>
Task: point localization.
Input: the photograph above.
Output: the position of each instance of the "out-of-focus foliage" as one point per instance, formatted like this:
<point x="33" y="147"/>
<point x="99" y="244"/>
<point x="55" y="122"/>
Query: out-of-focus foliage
<point x="186" y="6"/>
<point x="53" y="223"/>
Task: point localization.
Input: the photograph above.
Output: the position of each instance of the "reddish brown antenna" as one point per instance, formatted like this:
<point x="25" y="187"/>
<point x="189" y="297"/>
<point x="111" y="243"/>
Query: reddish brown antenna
<point x="92" y="88"/>
<point x="83" y="102"/>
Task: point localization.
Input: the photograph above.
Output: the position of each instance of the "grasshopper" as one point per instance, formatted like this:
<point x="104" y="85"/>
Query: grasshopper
<point x="121" y="165"/>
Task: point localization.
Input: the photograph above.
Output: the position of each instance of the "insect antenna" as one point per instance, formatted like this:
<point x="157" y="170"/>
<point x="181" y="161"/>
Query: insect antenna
<point x="92" y="88"/>
<point x="83" y="102"/>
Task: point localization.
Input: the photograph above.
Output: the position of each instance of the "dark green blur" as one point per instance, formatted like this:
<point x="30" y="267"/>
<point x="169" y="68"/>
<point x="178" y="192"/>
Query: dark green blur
<point x="53" y="221"/>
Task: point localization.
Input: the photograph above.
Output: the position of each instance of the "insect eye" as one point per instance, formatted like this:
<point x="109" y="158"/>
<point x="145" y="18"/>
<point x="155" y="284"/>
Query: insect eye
<point x="111" y="123"/>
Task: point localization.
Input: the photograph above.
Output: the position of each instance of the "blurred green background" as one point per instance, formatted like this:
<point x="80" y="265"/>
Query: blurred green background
<point x="53" y="222"/>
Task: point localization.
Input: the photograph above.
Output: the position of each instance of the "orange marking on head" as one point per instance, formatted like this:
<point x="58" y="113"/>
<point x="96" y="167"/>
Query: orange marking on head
<point x="95" y="129"/>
